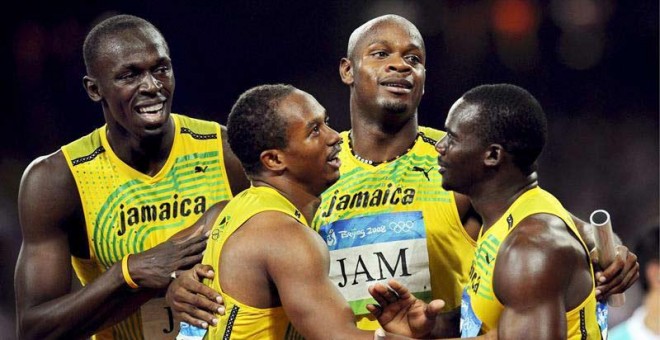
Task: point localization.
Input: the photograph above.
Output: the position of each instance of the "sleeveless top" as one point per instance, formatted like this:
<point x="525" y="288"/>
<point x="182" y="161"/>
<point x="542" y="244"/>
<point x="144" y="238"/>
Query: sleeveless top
<point x="394" y="220"/>
<point x="127" y="211"/>
<point x="480" y="309"/>
<point x="242" y="321"/>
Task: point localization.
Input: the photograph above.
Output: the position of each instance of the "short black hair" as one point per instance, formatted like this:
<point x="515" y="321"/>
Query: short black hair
<point x="254" y="124"/>
<point x="510" y="116"/>
<point x="108" y="27"/>
<point x="647" y="250"/>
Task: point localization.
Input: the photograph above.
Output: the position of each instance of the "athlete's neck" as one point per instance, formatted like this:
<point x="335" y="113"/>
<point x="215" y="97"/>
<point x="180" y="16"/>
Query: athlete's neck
<point x="306" y="202"/>
<point x="144" y="154"/>
<point x="377" y="141"/>
<point x="492" y="199"/>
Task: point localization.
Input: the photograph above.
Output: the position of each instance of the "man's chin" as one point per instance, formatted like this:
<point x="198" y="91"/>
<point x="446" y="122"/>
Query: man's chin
<point x="396" y="108"/>
<point x="157" y="127"/>
<point x="447" y="186"/>
<point x="333" y="180"/>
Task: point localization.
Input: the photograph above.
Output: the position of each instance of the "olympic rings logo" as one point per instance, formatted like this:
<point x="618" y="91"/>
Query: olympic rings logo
<point x="401" y="226"/>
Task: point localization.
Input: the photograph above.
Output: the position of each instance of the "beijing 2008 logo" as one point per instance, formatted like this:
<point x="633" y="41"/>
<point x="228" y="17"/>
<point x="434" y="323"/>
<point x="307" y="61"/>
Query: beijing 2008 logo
<point x="401" y="226"/>
<point x="331" y="239"/>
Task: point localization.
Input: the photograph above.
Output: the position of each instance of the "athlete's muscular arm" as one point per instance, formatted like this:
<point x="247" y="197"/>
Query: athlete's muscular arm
<point x="619" y="275"/>
<point x="536" y="292"/>
<point x="238" y="181"/>
<point x="48" y="206"/>
<point x="49" y="213"/>
<point x="297" y="261"/>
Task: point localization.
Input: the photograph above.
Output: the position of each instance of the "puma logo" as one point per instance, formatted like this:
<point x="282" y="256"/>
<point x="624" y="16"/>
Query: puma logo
<point x="198" y="168"/>
<point x="425" y="172"/>
<point x="488" y="259"/>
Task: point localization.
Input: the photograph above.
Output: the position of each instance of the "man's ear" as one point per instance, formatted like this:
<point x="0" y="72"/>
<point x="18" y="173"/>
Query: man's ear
<point x="493" y="155"/>
<point x="92" y="88"/>
<point x="346" y="71"/>
<point x="273" y="160"/>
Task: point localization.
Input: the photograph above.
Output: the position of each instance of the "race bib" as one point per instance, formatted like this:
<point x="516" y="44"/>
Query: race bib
<point x="190" y="332"/>
<point x="369" y="249"/>
<point x="470" y="323"/>
<point x="601" y="315"/>
<point x="158" y="320"/>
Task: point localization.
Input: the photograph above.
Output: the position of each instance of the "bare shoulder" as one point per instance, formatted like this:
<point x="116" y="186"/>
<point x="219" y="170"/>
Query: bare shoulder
<point x="49" y="168"/>
<point x="284" y="241"/>
<point x="48" y="194"/>
<point x="541" y="232"/>
<point x="537" y="253"/>
<point x="281" y="230"/>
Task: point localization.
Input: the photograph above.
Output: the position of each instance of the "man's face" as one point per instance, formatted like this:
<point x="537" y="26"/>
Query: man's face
<point x="460" y="152"/>
<point x="388" y="68"/>
<point x="135" y="81"/>
<point x="313" y="147"/>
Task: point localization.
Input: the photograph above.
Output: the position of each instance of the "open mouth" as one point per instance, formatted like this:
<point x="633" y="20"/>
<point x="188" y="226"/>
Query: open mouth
<point x="151" y="114"/>
<point x="156" y="108"/>
<point x="335" y="162"/>
<point x="397" y="85"/>
<point x="333" y="159"/>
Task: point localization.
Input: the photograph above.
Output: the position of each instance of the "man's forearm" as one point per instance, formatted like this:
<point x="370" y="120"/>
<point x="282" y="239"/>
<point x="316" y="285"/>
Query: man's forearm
<point x="96" y="306"/>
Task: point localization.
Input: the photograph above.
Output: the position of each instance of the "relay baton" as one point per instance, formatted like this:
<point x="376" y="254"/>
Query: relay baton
<point x="604" y="236"/>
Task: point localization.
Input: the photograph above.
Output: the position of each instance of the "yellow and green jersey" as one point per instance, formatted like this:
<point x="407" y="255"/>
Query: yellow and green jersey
<point x="128" y="212"/>
<point x="480" y="309"/>
<point x="394" y="220"/>
<point x="241" y="320"/>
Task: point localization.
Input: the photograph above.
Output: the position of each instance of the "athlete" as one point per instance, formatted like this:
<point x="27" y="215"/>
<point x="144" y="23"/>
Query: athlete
<point x="272" y="267"/>
<point x="108" y="202"/>
<point x="520" y="285"/>
<point x="387" y="216"/>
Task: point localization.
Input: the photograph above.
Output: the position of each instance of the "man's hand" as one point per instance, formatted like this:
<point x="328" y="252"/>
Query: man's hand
<point x="154" y="267"/>
<point x="192" y="301"/>
<point x="400" y="312"/>
<point x="618" y="276"/>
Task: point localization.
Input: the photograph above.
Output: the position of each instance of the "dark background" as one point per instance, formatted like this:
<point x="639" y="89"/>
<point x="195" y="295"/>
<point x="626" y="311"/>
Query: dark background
<point x="593" y="65"/>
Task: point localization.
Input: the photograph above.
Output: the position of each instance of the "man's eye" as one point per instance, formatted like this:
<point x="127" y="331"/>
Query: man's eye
<point x="162" y="69"/>
<point x="413" y="59"/>
<point x="126" y="76"/>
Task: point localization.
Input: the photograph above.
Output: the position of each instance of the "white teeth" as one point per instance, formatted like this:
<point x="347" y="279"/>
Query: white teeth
<point x="152" y="108"/>
<point x="397" y="85"/>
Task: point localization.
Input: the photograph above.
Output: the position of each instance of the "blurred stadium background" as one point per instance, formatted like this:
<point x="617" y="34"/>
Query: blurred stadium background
<point x="593" y="65"/>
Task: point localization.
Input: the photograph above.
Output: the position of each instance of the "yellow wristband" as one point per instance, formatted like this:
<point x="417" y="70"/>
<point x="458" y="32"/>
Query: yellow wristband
<point x="127" y="275"/>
